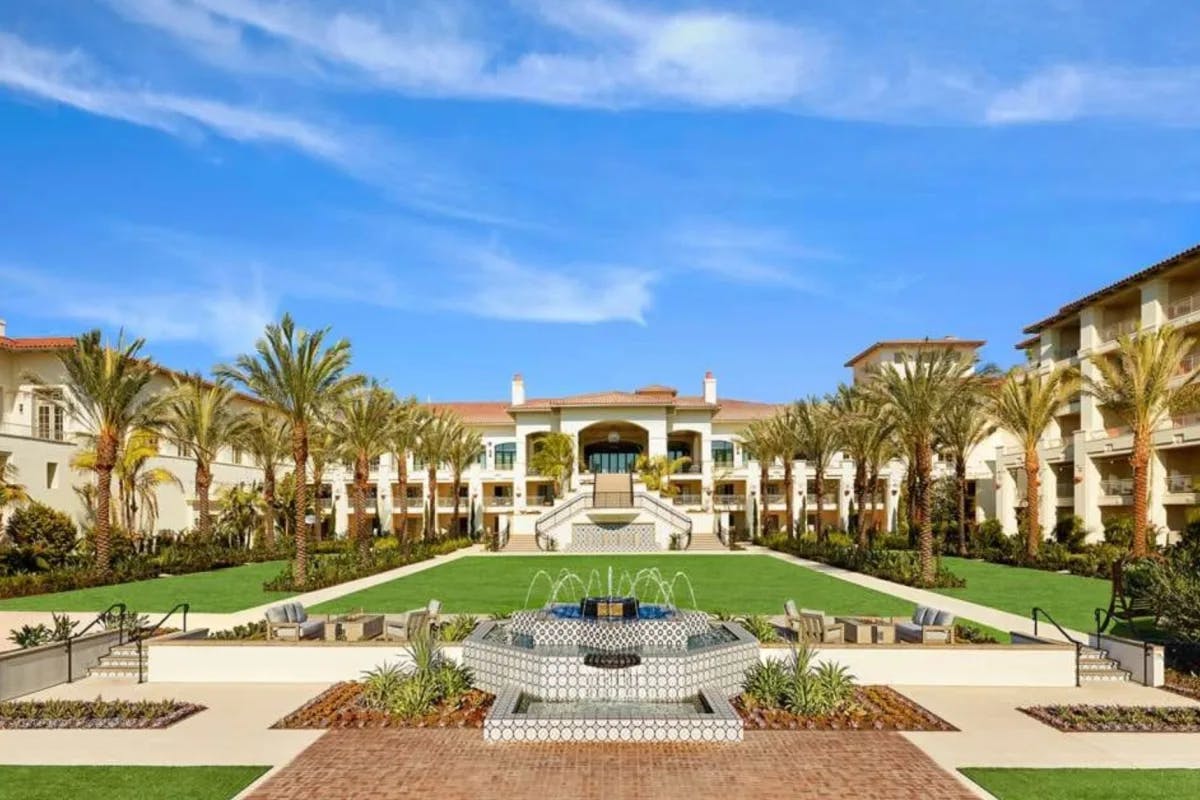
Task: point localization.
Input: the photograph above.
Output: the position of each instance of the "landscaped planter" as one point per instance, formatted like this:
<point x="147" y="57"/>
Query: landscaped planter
<point x="341" y="706"/>
<point x="875" y="708"/>
<point x="96" y="714"/>
<point x="1118" y="719"/>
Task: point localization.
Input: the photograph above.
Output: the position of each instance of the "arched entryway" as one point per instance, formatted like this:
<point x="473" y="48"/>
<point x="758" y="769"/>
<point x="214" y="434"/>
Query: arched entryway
<point x="612" y="446"/>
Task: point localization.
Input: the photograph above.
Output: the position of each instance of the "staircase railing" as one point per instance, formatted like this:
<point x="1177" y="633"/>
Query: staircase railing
<point x="667" y="513"/>
<point x="1078" y="644"/>
<point x="148" y="632"/>
<point x="1103" y="617"/>
<point x="101" y="617"/>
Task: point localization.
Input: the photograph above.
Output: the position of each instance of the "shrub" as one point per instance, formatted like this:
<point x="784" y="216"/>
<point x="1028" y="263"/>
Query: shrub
<point x="1118" y="531"/>
<point x="414" y="692"/>
<point x="1071" y="532"/>
<point x="899" y="566"/>
<point x="457" y="629"/>
<point x="760" y="628"/>
<point x="330" y="570"/>
<point x="989" y="535"/>
<point x="1172" y="584"/>
<point x="251" y="630"/>
<point x="30" y="636"/>
<point x="40" y="538"/>
<point x="799" y="686"/>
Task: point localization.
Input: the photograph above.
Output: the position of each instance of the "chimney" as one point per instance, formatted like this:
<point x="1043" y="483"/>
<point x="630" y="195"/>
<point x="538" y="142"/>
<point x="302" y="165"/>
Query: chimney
<point x="710" y="388"/>
<point x="3" y="328"/>
<point x="518" y="390"/>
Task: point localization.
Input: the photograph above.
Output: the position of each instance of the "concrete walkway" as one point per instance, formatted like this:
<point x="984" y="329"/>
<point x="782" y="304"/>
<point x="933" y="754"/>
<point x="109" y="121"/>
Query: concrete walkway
<point x="1001" y="620"/>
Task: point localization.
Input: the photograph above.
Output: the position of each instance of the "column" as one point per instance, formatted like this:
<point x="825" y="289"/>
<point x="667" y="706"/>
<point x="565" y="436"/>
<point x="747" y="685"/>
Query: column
<point x="1006" y="495"/>
<point x="1157" y="492"/>
<point x="799" y="489"/>
<point x="1087" y="490"/>
<point x="891" y="495"/>
<point x="1154" y="303"/>
<point x="1048" y="502"/>
<point x="706" y="466"/>
<point x="518" y="472"/>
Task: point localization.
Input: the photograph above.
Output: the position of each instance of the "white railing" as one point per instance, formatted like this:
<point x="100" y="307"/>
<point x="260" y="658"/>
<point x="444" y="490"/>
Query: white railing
<point x="499" y="501"/>
<point x="686" y="499"/>
<point x="1189" y="363"/>
<point x="47" y="433"/>
<point x="1117" y="329"/>
<point x="1184" y="420"/>
<point x="414" y="502"/>
<point x="728" y="501"/>
<point x="1178" y="484"/>
<point x="828" y="497"/>
<point x="1117" y="487"/>
<point x="1183" y="306"/>
<point x="1052" y="442"/>
<point x="771" y="499"/>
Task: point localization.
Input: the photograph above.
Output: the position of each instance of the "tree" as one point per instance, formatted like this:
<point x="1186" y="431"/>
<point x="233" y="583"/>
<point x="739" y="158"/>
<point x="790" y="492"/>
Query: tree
<point x="438" y="432"/>
<point x="322" y="450"/>
<point x="362" y="429"/>
<point x="1143" y="382"/>
<point x="818" y="438"/>
<point x="963" y="426"/>
<point x="785" y="437"/>
<point x="241" y="507"/>
<point x="408" y="420"/>
<point x="295" y="372"/>
<point x="554" y="457"/>
<point x="11" y="492"/>
<point x="913" y="399"/>
<point x="108" y="393"/>
<point x="266" y="438"/>
<point x="138" y="483"/>
<point x="759" y="442"/>
<point x="202" y="417"/>
<point x="1024" y="405"/>
<point x="463" y="450"/>
<point x="656" y="472"/>
<point x="864" y="436"/>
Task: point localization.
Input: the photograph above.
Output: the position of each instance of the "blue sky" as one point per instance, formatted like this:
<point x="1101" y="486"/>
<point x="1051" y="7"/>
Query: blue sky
<point x="598" y="194"/>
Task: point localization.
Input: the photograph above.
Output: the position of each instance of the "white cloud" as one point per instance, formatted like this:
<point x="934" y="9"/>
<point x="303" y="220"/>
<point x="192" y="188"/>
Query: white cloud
<point x="498" y="287"/>
<point x="1067" y="92"/>
<point x="751" y="255"/>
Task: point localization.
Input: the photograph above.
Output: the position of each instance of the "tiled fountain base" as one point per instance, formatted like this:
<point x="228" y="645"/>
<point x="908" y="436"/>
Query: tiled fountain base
<point x="707" y="718"/>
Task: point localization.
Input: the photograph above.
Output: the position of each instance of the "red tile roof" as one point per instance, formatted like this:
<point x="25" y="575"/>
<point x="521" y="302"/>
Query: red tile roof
<point x="37" y="343"/>
<point x="478" y="412"/>
<point x="948" y="341"/>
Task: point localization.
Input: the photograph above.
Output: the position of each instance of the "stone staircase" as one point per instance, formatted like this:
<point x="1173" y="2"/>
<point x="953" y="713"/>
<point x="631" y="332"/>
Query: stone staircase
<point x="706" y="541"/>
<point x="1096" y="666"/>
<point x="121" y="662"/>
<point x="526" y="543"/>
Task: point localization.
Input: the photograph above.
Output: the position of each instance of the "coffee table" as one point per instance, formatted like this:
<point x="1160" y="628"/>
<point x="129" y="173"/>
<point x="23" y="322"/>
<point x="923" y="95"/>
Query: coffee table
<point x="359" y="627"/>
<point x="868" y="630"/>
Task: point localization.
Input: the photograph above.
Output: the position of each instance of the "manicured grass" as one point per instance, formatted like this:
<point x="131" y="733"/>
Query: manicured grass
<point x="217" y="591"/>
<point x="750" y="584"/>
<point x="1094" y="784"/>
<point x="1070" y="599"/>
<point x="125" y="782"/>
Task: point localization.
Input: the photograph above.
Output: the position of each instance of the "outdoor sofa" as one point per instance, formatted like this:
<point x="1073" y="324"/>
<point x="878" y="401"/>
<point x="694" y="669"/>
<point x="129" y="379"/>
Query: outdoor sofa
<point x="291" y="622"/>
<point x="407" y="625"/>
<point x="926" y="626"/>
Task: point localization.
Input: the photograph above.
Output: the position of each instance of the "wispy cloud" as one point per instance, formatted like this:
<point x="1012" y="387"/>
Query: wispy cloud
<point x="1068" y="92"/>
<point x="226" y="316"/>
<point x="743" y="254"/>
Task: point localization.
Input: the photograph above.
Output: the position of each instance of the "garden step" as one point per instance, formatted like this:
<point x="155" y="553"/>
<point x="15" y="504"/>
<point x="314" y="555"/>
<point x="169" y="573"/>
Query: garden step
<point x="706" y="541"/>
<point x="521" y="544"/>
<point x="1114" y="675"/>
<point x="101" y="672"/>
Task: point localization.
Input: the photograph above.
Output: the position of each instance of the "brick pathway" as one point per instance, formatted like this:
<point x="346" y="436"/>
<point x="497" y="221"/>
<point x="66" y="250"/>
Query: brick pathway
<point x="458" y="765"/>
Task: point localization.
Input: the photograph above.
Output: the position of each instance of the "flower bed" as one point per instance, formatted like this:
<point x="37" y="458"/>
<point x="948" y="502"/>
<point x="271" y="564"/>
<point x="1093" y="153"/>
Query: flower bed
<point x="330" y="570"/>
<point x="342" y="706"/>
<point x="1183" y="683"/>
<point x="873" y="708"/>
<point x="98" y="713"/>
<point x="1118" y="719"/>
<point x="898" y="566"/>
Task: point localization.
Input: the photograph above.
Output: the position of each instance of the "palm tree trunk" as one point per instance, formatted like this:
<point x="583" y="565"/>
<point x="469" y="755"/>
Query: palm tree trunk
<point x="300" y="454"/>
<point x="760" y="513"/>
<point x="402" y="494"/>
<point x="269" y="502"/>
<point x="960" y="473"/>
<point x="860" y="498"/>
<point x="787" y="497"/>
<point x="914" y="508"/>
<point x="1033" y="523"/>
<point x="361" y="470"/>
<point x="454" y="515"/>
<point x="106" y="456"/>
<point x="431" y="524"/>
<point x="1140" y="461"/>
<point x="203" y="482"/>
<point x="923" y="505"/>
<point x="820" y="479"/>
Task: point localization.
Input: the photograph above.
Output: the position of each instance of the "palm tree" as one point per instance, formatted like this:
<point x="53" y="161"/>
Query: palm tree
<point x="322" y="450"/>
<point x="408" y="419"/>
<point x="818" y="438"/>
<point x="863" y="435"/>
<point x="11" y="492"/>
<point x="1143" y="382"/>
<point x="464" y="450"/>
<point x="267" y="439"/>
<point x="759" y="441"/>
<point x="554" y="457"/>
<point x="963" y="427"/>
<point x="437" y="434"/>
<point x="914" y="398"/>
<point x="296" y="373"/>
<point x="656" y="472"/>
<point x="361" y="427"/>
<point x="137" y="482"/>
<point x="785" y="444"/>
<point x="107" y="392"/>
<point x="204" y="418"/>
<point x="1024" y="405"/>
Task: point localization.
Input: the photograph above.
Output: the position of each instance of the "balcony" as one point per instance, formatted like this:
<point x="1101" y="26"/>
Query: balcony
<point x="498" y="501"/>
<point x="686" y="500"/>
<point x="1115" y="330"/>
<point x="447" y="501"/>
<point x="1117" y="487"/>
<point x="691" y="468"/>
<point x="1183" y="306"/>
<point x="414" y="502"/>
<point x="1189" y="363"/>
<point x="726" y="466"/>
<point x="325" y="503"/>
<point x="729" y="501"/>
<point x="1183" y="484"/>
<point x="828" y="498"/>
<point x="774" y="499"/>
<point x="47" y="433"/>
<point x="502" y="465"/>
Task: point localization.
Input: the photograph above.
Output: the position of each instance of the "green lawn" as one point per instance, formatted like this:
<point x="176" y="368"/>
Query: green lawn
<point x="125" y="782"/>
<point x="736" y="584"/>
<point x="1070" y="599"/>
<point x="217" y="591"/>
<point x="1094" y="784"/>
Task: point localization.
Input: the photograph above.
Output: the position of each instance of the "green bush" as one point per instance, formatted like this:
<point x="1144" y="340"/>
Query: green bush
<point x="989" y="535"/>
<point x="1118" y="531"/>
<point x="760" y="628"/>
<point x="899" y="566"/>
<point x="40" y="539"/>
<point x="1071" y="532"/>
<point x="330" y="570"/>
<point x="410" y="693"/>
<point x="458" y="628"/>
<point x="1172" y="585"/>
<point x="799" y="686"/>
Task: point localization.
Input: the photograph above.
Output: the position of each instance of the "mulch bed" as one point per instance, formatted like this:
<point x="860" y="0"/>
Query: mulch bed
<point x="341" y="706"/>
<point x="93" y="714"/>
<point x="1183" y="683"/>
<point x="875" y="708"/>
<point x="1118" y="719"/>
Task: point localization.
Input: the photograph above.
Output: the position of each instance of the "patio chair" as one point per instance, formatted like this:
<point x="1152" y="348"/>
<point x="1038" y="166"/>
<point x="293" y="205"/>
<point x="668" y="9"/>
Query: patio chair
<point x="813" y="626"/>
<point x="926" y="626"/>
<point x="405" y="626"/>
<point x="291" y="622"/>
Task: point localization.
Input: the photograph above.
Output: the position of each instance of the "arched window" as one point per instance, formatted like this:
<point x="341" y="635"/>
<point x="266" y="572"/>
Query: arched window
<point x="506" y="455"/>
<point x="722" y="453"/>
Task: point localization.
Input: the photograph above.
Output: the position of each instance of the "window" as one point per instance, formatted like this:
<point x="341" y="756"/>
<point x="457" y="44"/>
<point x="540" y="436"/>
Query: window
<point x="183" y="449"/>
<point x="373" y="464"/>
<point x="722" y="453"/>
<point x="237" y="455"/>
<point x="506" y="455"/>
<point x="50" y="422"/>
<point x="51" y="475"/>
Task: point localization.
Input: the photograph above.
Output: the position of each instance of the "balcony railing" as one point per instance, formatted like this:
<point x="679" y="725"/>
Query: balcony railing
<point x="325" y="503"/>
<point x="447" y="501"/>
<point x="1185" y="420"/>
<point x="414" y="502"/>
<point x="1117" y="487"/>
<point x="771" y="499"/>
<point x="1118" y="329"/>
<point x="1183" y="306"/>
<point x="1189" y="363"/>
<point x="828" y="497"/>
<point x="686" y="499"/>
<point x="1180" y="484"/>
<point x="1065" y="489"/>
<point x="496" y="500"/>
<point x="48" y="433"/>
<point x="690" y="468"/>
<point x="728" y="501"/>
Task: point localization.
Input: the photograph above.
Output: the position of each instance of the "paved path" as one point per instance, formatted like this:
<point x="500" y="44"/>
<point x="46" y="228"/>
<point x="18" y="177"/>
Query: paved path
<point x="459" y="765"/>
<point x="1001" y="620"/>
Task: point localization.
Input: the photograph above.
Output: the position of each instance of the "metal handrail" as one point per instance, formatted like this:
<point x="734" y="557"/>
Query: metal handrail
<point x="99" y="617"/>
<point x="1078" y="645"/>
<point x="666" y="513"/>
<point x="142" y="635"/>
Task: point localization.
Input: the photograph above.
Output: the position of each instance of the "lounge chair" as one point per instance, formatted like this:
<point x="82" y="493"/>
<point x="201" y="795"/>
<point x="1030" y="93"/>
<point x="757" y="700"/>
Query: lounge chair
<point x="926" y="626"/>
<point x="813" y="626"/>
<point x="291" y="622"/>
<point x="407" y="625"/>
